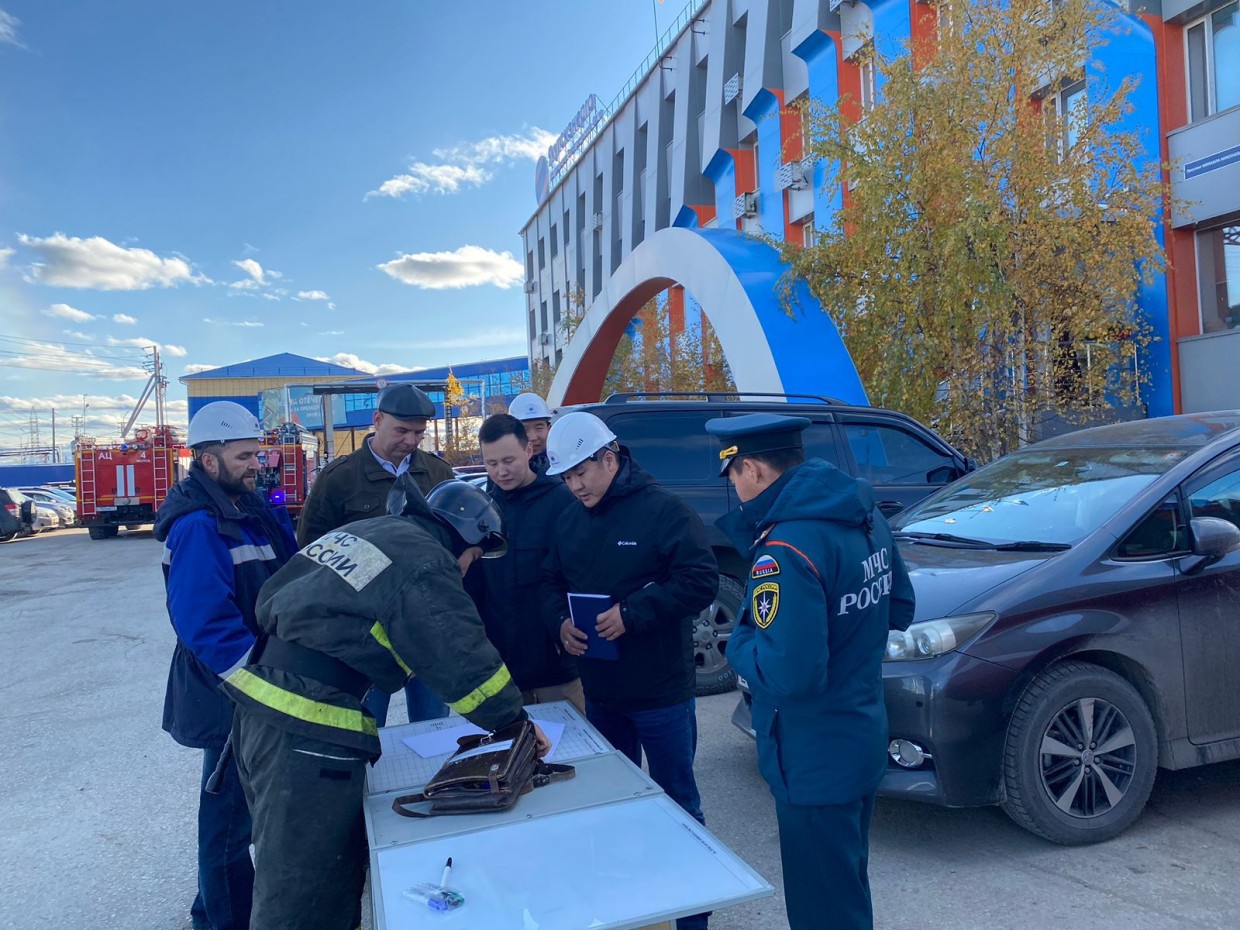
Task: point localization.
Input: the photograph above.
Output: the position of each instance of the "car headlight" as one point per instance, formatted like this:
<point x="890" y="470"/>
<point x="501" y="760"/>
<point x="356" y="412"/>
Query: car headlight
<point x="932" y="638"/>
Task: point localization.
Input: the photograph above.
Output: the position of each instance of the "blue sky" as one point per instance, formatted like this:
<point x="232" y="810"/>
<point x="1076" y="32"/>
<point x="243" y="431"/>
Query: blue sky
<point x="235" y="179"/>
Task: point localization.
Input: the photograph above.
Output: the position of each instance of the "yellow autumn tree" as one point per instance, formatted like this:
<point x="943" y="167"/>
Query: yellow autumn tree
<point x="996" y="226"/>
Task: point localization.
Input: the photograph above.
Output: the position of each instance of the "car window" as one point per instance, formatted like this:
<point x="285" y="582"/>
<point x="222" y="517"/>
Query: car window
<point x="672" y="445"/>
<point x="819" y="442"/>
<point x="886" y="455"/>
<point x="1161" y="533"/>
<point x="1220" y="498"/>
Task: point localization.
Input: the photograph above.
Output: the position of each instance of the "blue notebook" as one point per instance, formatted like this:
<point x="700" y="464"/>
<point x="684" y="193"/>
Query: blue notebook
<point x="584" y="609"/>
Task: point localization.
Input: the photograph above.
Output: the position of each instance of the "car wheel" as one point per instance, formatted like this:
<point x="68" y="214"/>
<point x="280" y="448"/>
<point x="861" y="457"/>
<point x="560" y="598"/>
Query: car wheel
<point x="1081" y="755"/>
<point x="7" y="536"/>
<point x="101" y="532"/>
<point x="710" y="636"/>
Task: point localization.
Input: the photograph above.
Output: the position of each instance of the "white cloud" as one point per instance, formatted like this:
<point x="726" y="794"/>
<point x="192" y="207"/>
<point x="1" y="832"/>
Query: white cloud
<point x="105" y="414"/>
<point x="8" y="30"/>
<point x="248" y="324"/>
<point x="332" y="332"/>
<point x="49" y="356"/>
<point x="464" y="165"/>
<point x="349" y="360"/>
<point x="96" y="263"/>
<point x="124" y="318"/>
<point x="257" y="272"/>
<point x="141" y="342"/>
<point x="245" y="285"/>
<point x="4" y="256"/>
<point x="175" y="351"/>
<point x="194" y="369"/>
<point x="312" y="295"/>
<point x="65" y="312"/>
<point x="468" y="266"/>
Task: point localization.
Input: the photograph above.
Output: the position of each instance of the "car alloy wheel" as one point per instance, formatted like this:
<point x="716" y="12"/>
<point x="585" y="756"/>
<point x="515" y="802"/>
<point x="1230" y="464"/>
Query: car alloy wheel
<point x="1088" y="757"/>
<point x="711" y="630"/>
<point x="1081" y="754"/>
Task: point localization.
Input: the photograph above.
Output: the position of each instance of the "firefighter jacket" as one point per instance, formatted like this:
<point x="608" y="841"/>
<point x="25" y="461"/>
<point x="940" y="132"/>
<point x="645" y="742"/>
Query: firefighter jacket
<point x="647" y="550"/>
<point x="217" y="555"/>
<point x="384" y="597"/>
<point x="355" y="487"/>
<point x="508" y="592"/>
<point x="826" y="585"/>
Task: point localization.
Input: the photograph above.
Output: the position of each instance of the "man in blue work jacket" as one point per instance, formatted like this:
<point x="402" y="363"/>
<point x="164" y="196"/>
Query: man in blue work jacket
<point x="826" y="585"/>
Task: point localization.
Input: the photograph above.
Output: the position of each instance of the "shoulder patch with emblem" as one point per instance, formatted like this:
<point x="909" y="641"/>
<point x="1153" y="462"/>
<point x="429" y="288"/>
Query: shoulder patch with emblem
<point x="764" y="566"/>
<point x="765" y="603"/>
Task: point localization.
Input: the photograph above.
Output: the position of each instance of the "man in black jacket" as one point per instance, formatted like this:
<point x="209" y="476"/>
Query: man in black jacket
<point x="646" y="550"/>
<point x="507" y="589"/>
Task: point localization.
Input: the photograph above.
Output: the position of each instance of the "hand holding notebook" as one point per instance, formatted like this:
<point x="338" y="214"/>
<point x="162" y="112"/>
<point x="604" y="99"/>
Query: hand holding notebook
<point x="584" y="609"/>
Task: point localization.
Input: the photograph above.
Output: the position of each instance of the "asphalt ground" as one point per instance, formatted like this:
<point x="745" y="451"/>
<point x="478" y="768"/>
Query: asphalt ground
<point x="97" y="804"/>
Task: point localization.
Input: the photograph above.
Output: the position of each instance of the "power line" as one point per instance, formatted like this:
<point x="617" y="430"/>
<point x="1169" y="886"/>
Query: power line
<point x="63" y="370"/>
<point x="54" y="342"/>
<point x="71" y="356"/>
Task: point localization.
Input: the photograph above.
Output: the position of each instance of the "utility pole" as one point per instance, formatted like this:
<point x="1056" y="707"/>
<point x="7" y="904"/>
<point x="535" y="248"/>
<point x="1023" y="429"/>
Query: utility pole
<point x="55" y="451"/>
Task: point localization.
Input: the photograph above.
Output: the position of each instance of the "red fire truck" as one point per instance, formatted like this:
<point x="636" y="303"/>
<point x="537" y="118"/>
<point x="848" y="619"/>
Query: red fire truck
<point x="123" y="483"/>
<point x="288" y="462"/>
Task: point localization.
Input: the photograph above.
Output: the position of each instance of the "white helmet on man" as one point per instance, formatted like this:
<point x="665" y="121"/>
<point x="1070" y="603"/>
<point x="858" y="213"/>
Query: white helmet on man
<point x="529" y="407"/>
<point x="223" y="421"/>
<point x="574" y="438"/>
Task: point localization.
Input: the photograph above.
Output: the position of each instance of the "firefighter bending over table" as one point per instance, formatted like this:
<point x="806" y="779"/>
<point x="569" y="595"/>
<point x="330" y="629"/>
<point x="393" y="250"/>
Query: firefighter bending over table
<point x="371" y="602"/>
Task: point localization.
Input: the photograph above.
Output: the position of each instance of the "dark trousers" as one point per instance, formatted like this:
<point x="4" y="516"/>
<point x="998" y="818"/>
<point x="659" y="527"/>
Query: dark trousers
<point x="826" y="855"/>
<point x="225" y="874"/>
<point x="309" y="834"/>
<point x="668" y="736"/>
<point x="420" y="701"/>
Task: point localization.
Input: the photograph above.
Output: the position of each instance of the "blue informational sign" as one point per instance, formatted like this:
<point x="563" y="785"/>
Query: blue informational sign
<point x="568" y="145"/>
<point x="1200" y="166"/>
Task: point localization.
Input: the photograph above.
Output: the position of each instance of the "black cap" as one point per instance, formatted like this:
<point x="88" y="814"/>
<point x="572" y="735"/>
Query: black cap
<point x="753" y="433"/>
<point x="405" y="402"/>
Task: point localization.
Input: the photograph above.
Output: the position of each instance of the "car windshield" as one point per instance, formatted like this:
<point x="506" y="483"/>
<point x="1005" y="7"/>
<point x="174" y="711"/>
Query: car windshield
<point x="1052" y="496"/>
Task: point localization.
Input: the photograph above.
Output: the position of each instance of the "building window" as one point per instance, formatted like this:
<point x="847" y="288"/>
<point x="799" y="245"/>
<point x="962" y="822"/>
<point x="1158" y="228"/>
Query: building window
<point x="542" y="253"/>
<point x="555" y="242"/>
<point x="1218" y="261"/>
<point x="1069" y="104"/>
<point x="869" y="79"/>
<point x="1213" y="46"/>
<point x="808" y="234"/>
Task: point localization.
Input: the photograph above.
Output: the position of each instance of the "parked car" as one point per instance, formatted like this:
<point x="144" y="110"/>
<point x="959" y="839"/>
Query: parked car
<point x="22" y="511"/>
<point x="46" y="517"/>
<point x="16" y="514"/>
<point x="666" y="433"/>
<point x="64" y="503"/>
<point x="1078" y="626"/>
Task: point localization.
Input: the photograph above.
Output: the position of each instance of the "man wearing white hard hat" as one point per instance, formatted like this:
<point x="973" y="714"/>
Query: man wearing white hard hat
<point x="222" y="541"/>
<point x="646" y="553"/>
<point x="535" y="416"/>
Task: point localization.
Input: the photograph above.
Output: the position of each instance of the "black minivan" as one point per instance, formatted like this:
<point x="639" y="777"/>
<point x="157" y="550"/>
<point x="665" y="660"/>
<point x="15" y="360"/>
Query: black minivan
<point x="1077" y="627"/>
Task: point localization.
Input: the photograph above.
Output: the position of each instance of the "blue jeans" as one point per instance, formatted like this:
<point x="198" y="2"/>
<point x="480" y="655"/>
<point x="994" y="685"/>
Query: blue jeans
<point x="668" y="735"/>
<point x="421" y="703"/>
<point x="225" y="872"/>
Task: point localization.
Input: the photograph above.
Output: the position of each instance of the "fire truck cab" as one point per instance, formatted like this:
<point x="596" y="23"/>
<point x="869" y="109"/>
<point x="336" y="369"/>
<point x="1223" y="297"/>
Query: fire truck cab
<point x="123" y="483"/>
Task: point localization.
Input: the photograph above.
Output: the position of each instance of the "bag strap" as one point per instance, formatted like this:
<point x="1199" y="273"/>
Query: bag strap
<point x="544" y="774"/>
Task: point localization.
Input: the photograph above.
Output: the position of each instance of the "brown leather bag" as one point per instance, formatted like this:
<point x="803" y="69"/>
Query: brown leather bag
<point x="487" y="773"/>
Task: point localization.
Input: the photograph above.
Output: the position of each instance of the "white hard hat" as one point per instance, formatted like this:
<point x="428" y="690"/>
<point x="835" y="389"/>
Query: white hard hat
<point x="529" y="407"/>
<point x="223" y="421"/>
<point x="575" y="437"/>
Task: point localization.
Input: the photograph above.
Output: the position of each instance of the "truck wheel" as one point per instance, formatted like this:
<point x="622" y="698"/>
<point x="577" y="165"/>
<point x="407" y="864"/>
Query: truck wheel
<point x="711" y="631"/>
<point x="101" y="532"/>
<point x="1081" y="755"/>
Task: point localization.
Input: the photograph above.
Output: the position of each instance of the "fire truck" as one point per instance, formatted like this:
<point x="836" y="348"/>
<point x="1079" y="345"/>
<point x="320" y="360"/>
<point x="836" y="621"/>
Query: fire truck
<point x="122" y="483"/>
<point x="288" y="461"/>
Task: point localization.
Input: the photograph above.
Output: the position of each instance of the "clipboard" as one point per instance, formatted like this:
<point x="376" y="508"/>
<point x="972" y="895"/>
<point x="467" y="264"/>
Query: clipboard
<point x="584" y="609"/>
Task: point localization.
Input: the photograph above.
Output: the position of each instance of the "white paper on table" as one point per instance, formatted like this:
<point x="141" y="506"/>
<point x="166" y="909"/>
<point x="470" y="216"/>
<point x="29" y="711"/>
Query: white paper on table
<point x="442" y="742"/>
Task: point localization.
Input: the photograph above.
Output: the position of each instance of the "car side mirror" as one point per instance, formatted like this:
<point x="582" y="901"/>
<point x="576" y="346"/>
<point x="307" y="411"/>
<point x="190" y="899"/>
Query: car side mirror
<point x="944" y="474"/>
<point x="1213" y="538"/>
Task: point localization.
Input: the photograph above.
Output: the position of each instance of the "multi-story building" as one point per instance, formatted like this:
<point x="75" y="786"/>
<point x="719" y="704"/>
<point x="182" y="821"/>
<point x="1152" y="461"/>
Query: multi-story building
<point x="705" y="137"/>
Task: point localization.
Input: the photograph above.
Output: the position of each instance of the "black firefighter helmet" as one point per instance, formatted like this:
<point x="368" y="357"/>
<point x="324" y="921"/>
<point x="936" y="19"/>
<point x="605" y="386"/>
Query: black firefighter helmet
<point x="468" y="512"/>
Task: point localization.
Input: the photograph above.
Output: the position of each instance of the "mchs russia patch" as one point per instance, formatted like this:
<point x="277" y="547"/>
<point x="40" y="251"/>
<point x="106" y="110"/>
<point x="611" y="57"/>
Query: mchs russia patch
<point x="765" y="566"/>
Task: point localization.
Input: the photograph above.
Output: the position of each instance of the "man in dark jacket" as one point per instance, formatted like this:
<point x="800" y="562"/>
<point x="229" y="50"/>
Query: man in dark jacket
<point x="368" y="604"/>
<point x="355" y="487"/>
<point x="507" y="589"/>
<point x="221" y="543"/>
<point x="826" y="586"/>
<point x="646" y="550"/>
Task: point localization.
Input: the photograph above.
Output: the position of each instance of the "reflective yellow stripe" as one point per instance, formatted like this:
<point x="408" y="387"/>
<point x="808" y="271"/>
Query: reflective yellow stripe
<point x="380" y="635"/>
<point x="489" y="688"/>
<point x="299" y="706"/>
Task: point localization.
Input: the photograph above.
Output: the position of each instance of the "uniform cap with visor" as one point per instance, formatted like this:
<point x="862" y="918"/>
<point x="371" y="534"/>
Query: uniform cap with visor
<point x="529" y="406"/>
<point x="222" y="421"/>
<point x="574" y="438"/>
<point x="405" y="402"/>
<point x="754" y="433"/>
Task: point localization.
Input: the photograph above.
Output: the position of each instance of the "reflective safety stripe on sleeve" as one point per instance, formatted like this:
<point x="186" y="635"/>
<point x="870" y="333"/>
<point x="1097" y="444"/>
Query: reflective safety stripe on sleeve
<point x="381" y="637"/>
<point x="488" y="689"/>
<point x="300" y="706"/>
